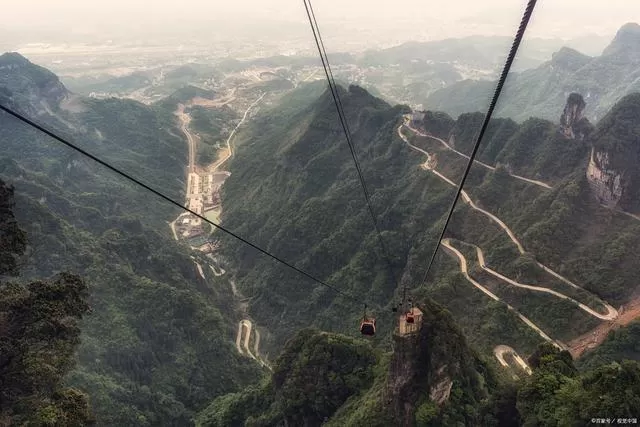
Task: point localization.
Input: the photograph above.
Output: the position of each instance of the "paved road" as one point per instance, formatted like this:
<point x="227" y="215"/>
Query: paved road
<point x="243" y="345"/>
<point x="248" y="325"/>
<point x="239" y="337"/>
<point x="611" y="312"/>
<point x="463" y="268"/>
<point x="467" y="199"/>
<point x="449" y="147"/>
<point x="172" y="224"/>
<point x="216" y="272"/>
<point x="313" y="73"/>
<point x="200" y="270"/>
<point x="501" y="350"/>
<point x="233" y="132"/>
<point x="185" y="119"/>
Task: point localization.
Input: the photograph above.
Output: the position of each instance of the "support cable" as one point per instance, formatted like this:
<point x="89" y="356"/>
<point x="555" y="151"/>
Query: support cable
<point x="166" y="198"/>
<point x="347" y="131"/>
<point x="494" y="100"/>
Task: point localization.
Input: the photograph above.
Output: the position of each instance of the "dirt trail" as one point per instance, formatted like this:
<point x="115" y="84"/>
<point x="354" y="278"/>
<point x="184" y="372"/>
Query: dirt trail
<point x="590" y="340"/>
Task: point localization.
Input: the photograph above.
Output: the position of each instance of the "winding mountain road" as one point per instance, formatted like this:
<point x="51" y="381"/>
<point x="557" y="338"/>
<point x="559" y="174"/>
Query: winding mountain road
<point x="501" y="350"/>
<point x="245" y="326"/>
<point x="467" y="199"/>
<point x="216" y="272"/>
<point x="429" y="165"/>
<point x="449" y="147"/>
<point x="248" y="324"/>
<point x="242" y="345"/>
<point x="611" y="312"/>
<point x="239" y="337"/>
<point x="200" y="270"/>
<point x="463" y="268"/>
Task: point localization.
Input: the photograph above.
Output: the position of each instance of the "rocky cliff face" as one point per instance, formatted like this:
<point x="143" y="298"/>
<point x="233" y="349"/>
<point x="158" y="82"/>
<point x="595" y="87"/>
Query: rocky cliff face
<point x="406" y="364"/>
<point x="433" y="368"/>
<point x="614" y="165"/>
<point x="35" y="89"/>
<point x="605" y="181"/>
<point x="572" y="120"/>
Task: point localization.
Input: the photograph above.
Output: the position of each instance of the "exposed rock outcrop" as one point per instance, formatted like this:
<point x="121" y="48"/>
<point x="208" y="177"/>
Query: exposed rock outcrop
<point x="571" y="121"/>
<point x="605" y="182"/>
<point x="429" y="365"/>
<point x="36" y="89"/>
<point x="613" y="171"/>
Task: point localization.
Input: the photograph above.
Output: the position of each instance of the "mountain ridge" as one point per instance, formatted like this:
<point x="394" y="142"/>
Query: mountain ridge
<point x="293" y="189"/>
<point x="539" y="92"/>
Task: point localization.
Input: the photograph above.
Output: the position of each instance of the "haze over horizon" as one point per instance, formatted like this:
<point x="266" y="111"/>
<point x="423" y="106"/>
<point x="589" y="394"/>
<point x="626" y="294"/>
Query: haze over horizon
<point x="346" y="26"/>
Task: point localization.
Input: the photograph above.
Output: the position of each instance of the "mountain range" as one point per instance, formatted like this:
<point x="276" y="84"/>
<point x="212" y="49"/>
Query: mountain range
<point x="154" y="323"/>
<point x="549" y="203"/>
<point x="541" y="91"/>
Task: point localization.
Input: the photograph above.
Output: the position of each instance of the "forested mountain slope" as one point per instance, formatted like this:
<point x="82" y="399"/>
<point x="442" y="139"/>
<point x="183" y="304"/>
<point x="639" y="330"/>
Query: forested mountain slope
<point x="329" y="379"/>
<point x="294" y="190"/>
<point x="140" y="140"/>
<point x="157" y="345"/>
<point x="38" y="337"/>
<point x="432" y="378"/>
<point x="530" y="229"/>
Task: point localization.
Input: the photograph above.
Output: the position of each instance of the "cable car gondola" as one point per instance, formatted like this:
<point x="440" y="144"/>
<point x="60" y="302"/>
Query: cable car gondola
<point x="409" y="317"/>
<point x="368" y="324"/>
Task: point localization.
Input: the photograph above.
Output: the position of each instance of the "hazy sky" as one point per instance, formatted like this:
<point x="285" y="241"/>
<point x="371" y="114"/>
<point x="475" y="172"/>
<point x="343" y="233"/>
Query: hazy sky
<point x="392" y="20"/>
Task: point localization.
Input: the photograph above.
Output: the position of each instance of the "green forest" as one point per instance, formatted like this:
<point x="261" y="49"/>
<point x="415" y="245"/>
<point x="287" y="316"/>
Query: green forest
<point x="143" y="350"/>
<point x="105" y="319"/>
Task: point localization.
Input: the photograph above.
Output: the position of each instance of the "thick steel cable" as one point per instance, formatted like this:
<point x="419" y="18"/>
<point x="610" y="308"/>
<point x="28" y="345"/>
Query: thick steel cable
<point x="494" y="100"/>
<point x="345" y="127"/>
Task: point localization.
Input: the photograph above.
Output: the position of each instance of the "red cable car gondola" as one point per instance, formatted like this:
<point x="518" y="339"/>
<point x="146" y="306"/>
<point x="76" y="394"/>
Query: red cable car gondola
<point x="410" y="317"/>
<point x="368" y="326"/>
